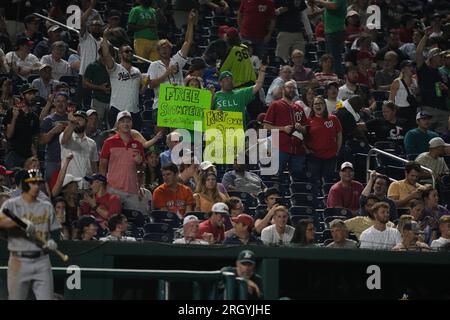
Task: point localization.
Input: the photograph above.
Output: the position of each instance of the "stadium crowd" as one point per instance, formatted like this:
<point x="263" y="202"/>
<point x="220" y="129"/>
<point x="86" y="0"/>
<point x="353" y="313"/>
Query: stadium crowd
<point x="331" y="78"/>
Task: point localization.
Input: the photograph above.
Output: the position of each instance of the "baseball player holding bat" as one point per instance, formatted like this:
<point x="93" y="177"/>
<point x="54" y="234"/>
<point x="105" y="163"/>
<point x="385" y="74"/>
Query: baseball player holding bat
<point x="29" y="263"/>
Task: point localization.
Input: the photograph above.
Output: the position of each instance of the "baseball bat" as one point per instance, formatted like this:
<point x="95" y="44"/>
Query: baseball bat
<point x="38" y="240"/>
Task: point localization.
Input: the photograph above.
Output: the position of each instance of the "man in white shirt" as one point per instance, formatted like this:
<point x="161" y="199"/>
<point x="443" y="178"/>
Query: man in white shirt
<point x="74" y="140"/>
<point x="118" y="225"/>
<point x="125" y="84"/>
<point x="278" y="233"/>
<point x="89" y="39"/>
<point x="379" y="236"/>
<point x="444" y="228"/>
<point x="60" y="67"/>
<point x="22" y="62"/>
<point x="167" y="69"/>
<point x="190" y="229"/>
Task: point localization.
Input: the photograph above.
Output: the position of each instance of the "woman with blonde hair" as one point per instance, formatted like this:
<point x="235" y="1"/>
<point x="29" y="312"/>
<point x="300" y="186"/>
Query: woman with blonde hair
<point x="207" y="193"/>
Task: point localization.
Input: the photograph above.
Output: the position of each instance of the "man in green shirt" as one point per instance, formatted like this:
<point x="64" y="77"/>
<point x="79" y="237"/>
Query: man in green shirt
<point x="142" y="20"/>
<point x="417" y="140"/>
<point x="96" y="79"/>
<point x="334" y="20"/>
<point x="236" y="100"/>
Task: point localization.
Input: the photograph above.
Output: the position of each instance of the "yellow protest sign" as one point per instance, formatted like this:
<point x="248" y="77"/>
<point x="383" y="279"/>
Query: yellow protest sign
<point x="179" y="106"/>
<point x="224" y="136"/>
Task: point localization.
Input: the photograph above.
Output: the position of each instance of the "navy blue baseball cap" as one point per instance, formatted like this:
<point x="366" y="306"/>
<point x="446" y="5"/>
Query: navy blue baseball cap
<point x="96" y="176"/>
<point x="246" y="256"/>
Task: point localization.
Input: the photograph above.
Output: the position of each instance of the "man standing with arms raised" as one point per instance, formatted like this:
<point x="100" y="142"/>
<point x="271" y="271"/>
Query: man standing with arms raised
<point x="125" y="83"/>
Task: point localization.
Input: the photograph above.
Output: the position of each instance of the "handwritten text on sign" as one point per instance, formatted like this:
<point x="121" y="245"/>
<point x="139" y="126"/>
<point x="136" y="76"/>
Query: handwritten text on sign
<point x="224" y="136"/>
<point x="179" y="107"/>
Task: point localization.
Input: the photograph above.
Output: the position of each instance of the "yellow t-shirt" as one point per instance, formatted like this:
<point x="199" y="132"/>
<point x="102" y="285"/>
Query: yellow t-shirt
<point x="402" y="189"/>
<point x="238" y="62"/>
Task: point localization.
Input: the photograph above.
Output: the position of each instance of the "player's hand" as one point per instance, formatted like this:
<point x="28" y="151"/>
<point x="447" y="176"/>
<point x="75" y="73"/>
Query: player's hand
<point x="31" y="228"/>
<point x="51" y="245"/>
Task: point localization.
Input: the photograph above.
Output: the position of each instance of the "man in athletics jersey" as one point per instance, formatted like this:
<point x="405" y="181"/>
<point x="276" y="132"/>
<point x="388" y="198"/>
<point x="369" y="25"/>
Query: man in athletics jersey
<point x="290" y="119"/>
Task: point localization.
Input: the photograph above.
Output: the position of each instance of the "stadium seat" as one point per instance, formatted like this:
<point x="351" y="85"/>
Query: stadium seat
<point x="158" y="237"/>
<point x="302" y="210"/>
<point x="296" y="218"/>
<point x="301" y="187"/>
<point x="135" y="217"/>
<point x="199" y="214"/>
<point x="303" y="199"/>
<point x="329" y="214"/>
<point x="166" y="217"/>
<point x="246" y="198"/>
<point x="157" y="228"/>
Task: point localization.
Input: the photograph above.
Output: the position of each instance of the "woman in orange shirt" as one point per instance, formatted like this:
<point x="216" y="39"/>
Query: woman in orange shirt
<point x="207" y="193"/>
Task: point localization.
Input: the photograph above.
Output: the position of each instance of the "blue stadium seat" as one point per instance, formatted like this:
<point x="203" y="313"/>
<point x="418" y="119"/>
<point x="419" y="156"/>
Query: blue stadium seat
<point x="158" y="237"/>
<point x="296" y="218"/>
<point x="199" y="214"/>
<point x="246" y="198"/>
<point x="329" y="214"/>
<point x="166" y="217"/>
<point x="135" y="217"/>
<point x="302" y="210"/>
<point x="157" y="228"/>
<point x="297" y="187"/>
<point x="303" y="199"/>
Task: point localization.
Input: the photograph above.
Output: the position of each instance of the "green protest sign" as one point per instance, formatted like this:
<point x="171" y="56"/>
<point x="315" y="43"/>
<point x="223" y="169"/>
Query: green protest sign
<point x="224" y="136"/>
<point x="179" y="106"/>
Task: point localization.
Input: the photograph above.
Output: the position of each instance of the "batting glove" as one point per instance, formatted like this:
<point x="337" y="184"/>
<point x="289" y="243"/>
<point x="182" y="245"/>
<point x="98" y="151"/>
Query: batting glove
<point x="51" y="245"/>
<point x="31" y="228"/>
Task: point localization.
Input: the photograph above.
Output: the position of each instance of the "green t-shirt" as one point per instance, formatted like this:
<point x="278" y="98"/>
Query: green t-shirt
<point x="140" y="16"/>
<point x="238" y="61"/>
<point x="334" y="20"/>
<point x="234" y="101"/>
<point x="97" y="73"/>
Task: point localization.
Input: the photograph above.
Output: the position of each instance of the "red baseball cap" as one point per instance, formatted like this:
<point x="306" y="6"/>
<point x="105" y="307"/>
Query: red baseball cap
<point x="3" y="171"/>
<point x="222" y="30"/>
<point x="232" y="32"/>
<point x="244" y="218"/>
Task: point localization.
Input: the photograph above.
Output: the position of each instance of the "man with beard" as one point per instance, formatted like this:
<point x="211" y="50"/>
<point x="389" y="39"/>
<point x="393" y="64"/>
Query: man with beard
<point x="74" y="140"/>
<point x="22" y="129"/>
<point x="379" y="236"/>
<point x="125" y="84"/>
<point x="291" y="120"/>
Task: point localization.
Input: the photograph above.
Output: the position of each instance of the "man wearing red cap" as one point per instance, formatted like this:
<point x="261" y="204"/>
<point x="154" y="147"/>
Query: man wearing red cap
<point x="22" y="62"/>
<point x="243" y="225"/>
<point x="256" y="20"/>
<point x="3" y="174"/>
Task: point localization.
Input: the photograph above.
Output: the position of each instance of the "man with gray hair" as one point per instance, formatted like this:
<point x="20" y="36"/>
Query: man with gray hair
<point x="339" y="232"/>
<point x="60" y="67"/>
<point x="172" y="140"/>
<point x="190" y="229"/>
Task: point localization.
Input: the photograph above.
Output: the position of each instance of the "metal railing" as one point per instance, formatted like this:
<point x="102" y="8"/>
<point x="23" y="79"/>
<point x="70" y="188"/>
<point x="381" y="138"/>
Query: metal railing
<point x="389" y="155"/>
<point x="165" y="276"/>
<point x="62" y="25"/>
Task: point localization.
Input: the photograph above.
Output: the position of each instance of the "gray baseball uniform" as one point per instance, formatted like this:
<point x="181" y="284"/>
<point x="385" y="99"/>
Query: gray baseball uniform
<point x="22" y="271"/>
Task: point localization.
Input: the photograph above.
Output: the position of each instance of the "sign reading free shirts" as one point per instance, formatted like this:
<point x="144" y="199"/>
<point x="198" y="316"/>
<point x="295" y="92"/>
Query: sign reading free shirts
<point x="179" y="106"/>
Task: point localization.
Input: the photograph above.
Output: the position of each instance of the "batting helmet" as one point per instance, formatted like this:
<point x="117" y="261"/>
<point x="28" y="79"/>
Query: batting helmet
<point x="32" y="175"/>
